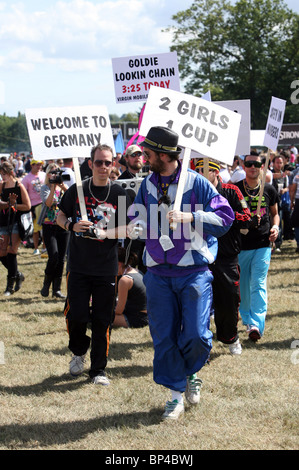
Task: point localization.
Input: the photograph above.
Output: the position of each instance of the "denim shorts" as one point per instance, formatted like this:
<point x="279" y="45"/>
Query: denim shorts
<point x="4" y="230"/>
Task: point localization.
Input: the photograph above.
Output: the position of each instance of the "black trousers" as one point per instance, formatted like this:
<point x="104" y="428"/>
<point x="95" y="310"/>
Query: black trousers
<point x="226" y="298"/>
<point x="90" y="299"/>
<point x="56" y="241"/>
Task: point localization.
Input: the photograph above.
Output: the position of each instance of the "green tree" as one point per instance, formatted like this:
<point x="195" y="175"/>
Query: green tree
<point x="199" y="41"/>
<point x="14" y="134"/>
<point x="258" y="55"/>
<point x="129" y="117"/>
<point x="245" y="50"/>
<point x="5" y="122"/>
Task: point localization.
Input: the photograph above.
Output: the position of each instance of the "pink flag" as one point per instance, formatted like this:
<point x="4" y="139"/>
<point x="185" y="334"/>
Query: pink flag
<point x="137" y="136"/>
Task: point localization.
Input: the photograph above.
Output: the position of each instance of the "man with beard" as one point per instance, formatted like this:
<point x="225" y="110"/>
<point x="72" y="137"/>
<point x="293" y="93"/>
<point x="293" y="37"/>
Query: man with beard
<point x="134" y="161"/>
<point x="178" y="280"/>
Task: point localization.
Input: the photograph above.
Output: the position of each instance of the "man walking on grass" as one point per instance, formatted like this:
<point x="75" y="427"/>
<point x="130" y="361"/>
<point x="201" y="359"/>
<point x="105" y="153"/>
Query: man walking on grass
<point x="92" y="263"/>
<point x="255" y="254"/>
<point x="178" y="280"/>
<point x="225" y="269"/>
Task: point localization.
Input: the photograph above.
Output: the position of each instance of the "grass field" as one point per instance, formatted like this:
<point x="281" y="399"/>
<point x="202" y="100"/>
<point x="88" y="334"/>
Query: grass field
<point x="247" y="402"/>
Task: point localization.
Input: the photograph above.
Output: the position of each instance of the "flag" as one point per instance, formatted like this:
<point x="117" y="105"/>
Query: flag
<point x="119" y="143"/>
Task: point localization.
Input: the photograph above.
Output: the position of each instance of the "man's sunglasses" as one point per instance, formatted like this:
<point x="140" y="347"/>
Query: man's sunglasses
<point x="100" y="163"/>
<point x="136" y="154"/>
<point x="249" y="164"/>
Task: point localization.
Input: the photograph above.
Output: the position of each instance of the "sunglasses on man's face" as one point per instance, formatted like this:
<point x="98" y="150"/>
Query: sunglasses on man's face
<point x="99" y="163"/>
<point x="136" y="154"/>
<point x="255" y="163"/>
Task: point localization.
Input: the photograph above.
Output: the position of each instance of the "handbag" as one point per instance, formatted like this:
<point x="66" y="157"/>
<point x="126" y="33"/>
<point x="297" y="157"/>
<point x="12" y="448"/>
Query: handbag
<point x="285" y="201"/>
<point x="25" y="224"/>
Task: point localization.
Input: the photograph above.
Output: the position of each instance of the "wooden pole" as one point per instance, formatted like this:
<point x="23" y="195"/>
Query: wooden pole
<point x="181" y="184"/>
<point x="206" y="167"/>
<point x="80" y="188"/>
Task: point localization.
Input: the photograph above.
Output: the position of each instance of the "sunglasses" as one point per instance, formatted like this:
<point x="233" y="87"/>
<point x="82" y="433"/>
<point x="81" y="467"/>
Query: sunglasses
<point x="249" y="164"/>
<point x="136" y="154"/>
<point x="99" y="163"/>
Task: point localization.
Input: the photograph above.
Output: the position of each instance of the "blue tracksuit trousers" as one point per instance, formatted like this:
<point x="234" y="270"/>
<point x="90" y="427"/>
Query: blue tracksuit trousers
<point x="179" y="318"/>
<point x="254" y="266"/>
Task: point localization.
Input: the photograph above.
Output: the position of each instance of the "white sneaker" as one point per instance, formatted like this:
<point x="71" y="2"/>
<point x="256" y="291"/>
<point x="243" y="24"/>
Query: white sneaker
<point x="173" y="410"/>
<point x="100" y="380"/>
<point x="192" y="392"/>
<point x="36" y="252"/>
<point x="235" y="348"/>
<point x="77" y="365"/>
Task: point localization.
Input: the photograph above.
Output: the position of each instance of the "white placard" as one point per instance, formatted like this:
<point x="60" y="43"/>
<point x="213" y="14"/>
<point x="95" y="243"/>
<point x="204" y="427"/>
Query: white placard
<point x="68" y="132"/>
<point x="274" y="123"/>
<point x="202" y="126"/>
<point x="134" y="76"/>
<point x="242" y="107"/>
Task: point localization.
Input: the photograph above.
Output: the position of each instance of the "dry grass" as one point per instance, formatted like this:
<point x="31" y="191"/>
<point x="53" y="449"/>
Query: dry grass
<point x="248" y="402"/>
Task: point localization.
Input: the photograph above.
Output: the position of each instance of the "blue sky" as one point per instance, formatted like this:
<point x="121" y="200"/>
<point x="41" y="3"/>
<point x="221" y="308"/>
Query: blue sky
<point x="58" y="52"/>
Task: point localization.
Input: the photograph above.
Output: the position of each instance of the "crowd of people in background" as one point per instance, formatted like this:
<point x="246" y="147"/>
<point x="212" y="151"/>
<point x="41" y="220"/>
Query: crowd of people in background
<point x="282" y="173"/>
<point x="29" y="184"/>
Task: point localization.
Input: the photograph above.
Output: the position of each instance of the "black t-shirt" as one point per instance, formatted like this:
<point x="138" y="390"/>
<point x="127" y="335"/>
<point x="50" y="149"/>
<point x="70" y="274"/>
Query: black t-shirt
<point x="92" y="256"/>
<point x="126" y="175"/>
<point x="259" y="237"/>
<point x="8" y="216"/>
<point x="136" y="301"/>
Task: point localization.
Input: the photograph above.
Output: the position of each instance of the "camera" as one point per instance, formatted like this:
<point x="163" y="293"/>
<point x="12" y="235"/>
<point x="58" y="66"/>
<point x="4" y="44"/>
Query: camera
<point x="59" y="177"/>
<point x="130" y="184"/>
<point x="92" y="232"/>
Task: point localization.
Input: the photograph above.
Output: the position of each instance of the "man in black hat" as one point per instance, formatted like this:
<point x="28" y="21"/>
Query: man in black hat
<point x="178" y="280"/>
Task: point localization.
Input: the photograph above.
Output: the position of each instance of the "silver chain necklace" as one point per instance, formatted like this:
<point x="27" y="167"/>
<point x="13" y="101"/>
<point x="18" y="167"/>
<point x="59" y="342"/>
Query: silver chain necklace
<point x="99" y="202"/>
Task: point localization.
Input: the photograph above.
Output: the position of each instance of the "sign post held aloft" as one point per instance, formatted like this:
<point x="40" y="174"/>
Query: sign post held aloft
<point x="69" y="132"/>
<point x="272" y="133"/>
<point x="201" y="125"/>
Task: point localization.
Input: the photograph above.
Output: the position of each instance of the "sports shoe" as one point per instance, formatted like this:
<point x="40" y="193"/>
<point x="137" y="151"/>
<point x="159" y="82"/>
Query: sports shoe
<point x="253" y="333"/>
<point x="192" y="392"/>
<point x="173" y="410"/>
<point x="77" y="365"/>
<point x="235" y="348"/>
<point x="100" y="379"/>
<point x="36" y="252"/>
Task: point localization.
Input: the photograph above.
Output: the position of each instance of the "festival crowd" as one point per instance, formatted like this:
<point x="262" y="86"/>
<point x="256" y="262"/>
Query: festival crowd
<point x="148" y="264"/>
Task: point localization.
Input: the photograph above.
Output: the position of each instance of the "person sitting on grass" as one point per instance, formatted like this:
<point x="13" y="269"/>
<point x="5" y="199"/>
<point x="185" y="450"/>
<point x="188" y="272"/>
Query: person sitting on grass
<point x="130" y="311"/>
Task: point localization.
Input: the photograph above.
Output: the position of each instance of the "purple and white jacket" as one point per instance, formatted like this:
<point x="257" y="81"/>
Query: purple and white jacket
<point x="194" y="244"/>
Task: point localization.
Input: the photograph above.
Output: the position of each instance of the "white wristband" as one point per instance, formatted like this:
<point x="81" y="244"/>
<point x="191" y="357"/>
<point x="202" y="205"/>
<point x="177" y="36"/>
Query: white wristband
<point x="275" y="227"/>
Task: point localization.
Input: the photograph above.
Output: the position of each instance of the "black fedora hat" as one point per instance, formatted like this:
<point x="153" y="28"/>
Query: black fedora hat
<point x="161" y="139"/>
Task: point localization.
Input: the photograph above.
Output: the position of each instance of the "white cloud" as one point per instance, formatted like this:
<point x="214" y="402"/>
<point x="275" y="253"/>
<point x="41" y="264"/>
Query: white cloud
<point x="58" y="52"/>
<point x="79" y="30"/>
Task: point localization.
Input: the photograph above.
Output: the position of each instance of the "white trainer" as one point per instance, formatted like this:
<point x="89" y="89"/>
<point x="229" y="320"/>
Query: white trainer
<point x="173" y="410"/>
<point x="192" y="392"/>
<point x="77" y="365"/>
<point x="235" y="348"/>
<point x="100" y="380"/>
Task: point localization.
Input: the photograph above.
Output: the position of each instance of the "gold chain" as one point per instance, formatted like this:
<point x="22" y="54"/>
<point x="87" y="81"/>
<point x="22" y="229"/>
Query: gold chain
<point x="246" y="188"/>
